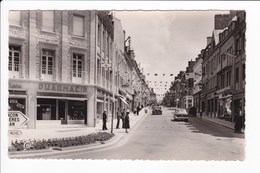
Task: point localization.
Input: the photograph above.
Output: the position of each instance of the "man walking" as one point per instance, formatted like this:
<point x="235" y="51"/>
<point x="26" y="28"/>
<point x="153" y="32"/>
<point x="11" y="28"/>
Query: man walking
<point x="104" y="127"/>
<point x="123" y="117"/>
<point x="118" y="116"/>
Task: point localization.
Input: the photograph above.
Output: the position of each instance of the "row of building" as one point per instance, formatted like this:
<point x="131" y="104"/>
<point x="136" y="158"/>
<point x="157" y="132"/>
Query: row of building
<point x="214" y="83"/>
<point x="67" y="67"/>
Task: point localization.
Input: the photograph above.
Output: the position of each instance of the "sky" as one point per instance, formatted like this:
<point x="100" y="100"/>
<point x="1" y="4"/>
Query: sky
<point x="164" y="41"/>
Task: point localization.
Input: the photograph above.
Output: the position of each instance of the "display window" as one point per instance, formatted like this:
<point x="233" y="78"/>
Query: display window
<point x="76" y="110"/>
<point x="17" y="104"/>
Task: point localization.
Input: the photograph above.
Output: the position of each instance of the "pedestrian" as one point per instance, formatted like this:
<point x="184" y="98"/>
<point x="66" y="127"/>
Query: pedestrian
<point x="104" y="127"/>
<point x="135" y="111"/>
<point x="123" y="117"/>
<point x="138" y="109"/>
<point x="127" y="121"/>
<point x="200" y="113"/>
<point x="118" y="116"/>
<point x="238" y="121"/>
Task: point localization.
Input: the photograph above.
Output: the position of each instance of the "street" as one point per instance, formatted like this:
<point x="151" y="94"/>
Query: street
<point x="158" y="137"/>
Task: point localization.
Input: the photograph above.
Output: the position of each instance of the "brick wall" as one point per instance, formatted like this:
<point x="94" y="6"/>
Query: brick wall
<point x="221" y="21"/>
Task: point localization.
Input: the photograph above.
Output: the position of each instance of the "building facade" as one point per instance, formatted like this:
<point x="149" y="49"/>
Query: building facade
<point x="223" y="68"/>
<point x="67" y="67"/>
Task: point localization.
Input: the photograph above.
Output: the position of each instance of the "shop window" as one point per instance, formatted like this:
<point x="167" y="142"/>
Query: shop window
<point x="17" y="104"/>
<point x="76" y="110"/>
<point x="15" y="18"/>
<point x="14" y="60"/>
<point x="48" y="21"/>
<point x="47" y="64"/>
<point x="78" y="25"/>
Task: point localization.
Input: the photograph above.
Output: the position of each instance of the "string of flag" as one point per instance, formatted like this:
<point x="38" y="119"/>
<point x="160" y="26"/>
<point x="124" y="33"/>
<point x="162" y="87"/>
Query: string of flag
<point x="156" y="74"/>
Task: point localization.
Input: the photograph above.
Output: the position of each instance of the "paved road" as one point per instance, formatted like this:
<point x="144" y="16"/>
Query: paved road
<point x="160" y="138"/>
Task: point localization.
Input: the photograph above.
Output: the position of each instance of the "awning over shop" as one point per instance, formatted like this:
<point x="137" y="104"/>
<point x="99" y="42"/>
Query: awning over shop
<point x="123" y="99"/>
<point x="101" y="101"/>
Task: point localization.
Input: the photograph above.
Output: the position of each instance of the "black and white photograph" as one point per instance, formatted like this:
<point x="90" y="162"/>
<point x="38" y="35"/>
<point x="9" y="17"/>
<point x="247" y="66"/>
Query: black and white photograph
<point x="119" y="84"/>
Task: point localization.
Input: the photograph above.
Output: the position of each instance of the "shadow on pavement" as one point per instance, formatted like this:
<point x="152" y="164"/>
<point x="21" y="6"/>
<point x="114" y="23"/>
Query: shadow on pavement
<point x="196" y="125"/>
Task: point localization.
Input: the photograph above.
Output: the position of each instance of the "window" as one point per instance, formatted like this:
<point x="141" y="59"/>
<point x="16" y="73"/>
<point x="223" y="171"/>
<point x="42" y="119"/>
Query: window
<point x="243" y="42"/>
<point x="104" y="41"/>
<point x="222" y="81"/>
<point x="228" y="78"/>
<point x="237" y="75"/>
<point x="15" y="18"/>
<point x="99" y="34"/>
<point x="48" y="21"/>
<point x="14" y="58"/>
<point x="244" y="72"/>
<point x="77" y="65"/>
<point x="238" y="46"/>
<point x="78" y="25"/>
<point x="47" y="62"/>
<point x="107" y="46"/>
<point x="98" y="72"/>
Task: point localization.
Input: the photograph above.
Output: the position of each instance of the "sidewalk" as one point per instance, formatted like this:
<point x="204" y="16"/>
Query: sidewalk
<point x="218" y="121"/>
<point x="73" y="132"/>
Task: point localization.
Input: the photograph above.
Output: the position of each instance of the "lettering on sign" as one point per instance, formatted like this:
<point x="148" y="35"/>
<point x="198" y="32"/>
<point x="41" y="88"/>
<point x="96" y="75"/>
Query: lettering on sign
<point x="62" y="88"/>
<point x="17" y="118"/>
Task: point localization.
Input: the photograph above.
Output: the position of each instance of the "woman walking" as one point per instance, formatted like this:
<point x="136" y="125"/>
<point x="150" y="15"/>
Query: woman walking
<point x="127" y="121"/>
<point x="104" y="127"/>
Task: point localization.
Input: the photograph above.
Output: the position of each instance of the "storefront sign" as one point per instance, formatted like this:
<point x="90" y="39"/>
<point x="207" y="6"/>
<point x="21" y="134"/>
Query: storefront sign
<point x="62" y="88"/>
<point x="17" y="118"/>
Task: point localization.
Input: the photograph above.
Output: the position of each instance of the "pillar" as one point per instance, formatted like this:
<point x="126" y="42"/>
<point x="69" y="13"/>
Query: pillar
<point x="32" y="108"/>
<point x="91" y="107"/>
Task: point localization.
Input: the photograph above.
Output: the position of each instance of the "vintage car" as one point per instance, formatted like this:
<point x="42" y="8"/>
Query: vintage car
<point x="181" y="114"/>
<point x="156" y="110"/>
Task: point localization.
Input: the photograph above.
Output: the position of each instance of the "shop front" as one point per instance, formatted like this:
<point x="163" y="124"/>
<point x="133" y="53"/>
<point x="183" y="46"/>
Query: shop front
<point x="49" y="104"/>
<point x="238" y="103"/>
<point x="225" y="107"/>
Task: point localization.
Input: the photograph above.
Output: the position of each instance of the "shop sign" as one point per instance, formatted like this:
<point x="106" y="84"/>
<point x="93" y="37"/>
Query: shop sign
<point x="62" y="88"/>
<point x="17" y="118"/>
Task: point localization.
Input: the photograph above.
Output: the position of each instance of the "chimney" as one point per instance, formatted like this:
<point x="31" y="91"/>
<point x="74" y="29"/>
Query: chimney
<point x="209" y="40"/>
<point x="221" y="21"/>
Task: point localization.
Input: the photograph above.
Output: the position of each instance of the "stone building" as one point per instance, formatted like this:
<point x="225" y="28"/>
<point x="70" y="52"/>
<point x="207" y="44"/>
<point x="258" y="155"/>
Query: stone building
<point x="59" y="66"/>
<point x="223" y="67"/>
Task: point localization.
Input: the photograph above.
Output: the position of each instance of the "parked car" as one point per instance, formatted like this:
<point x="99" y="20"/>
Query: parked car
<point x="181" y="114"/>
<point x="157" y="110"/>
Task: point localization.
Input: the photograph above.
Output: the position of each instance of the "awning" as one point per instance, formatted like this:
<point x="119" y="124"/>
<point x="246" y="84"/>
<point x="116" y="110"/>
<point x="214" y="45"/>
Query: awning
<point x="123" y="100"/>
<point x="101" y="101"/>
